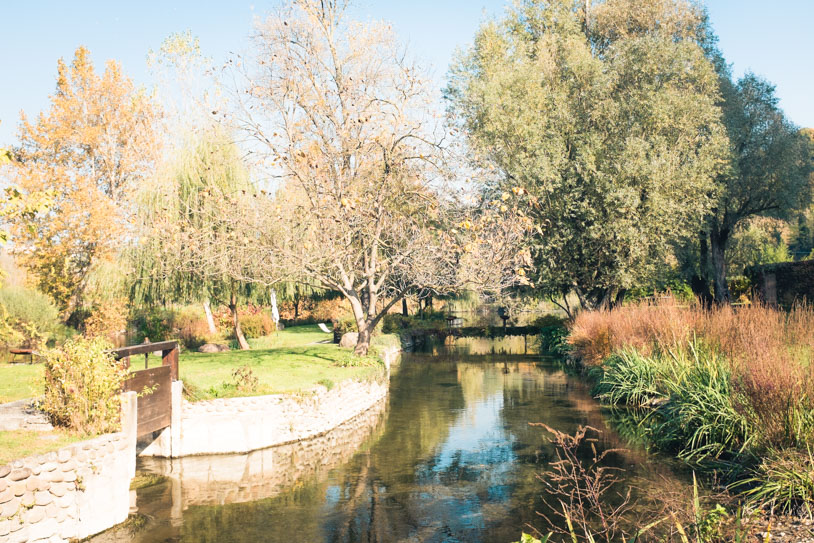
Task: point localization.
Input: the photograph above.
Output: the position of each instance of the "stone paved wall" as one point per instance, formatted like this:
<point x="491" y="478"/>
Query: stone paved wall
<point x="71" y="493"/>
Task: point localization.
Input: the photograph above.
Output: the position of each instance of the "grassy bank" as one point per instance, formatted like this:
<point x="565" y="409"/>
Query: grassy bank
<point x="727" y="390"/>
<point x="21" y="443"/>
<point x="293" y="360"/>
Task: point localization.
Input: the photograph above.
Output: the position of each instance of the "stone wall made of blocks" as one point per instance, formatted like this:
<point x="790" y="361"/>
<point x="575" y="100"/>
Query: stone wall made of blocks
<point x="68" y="494"/>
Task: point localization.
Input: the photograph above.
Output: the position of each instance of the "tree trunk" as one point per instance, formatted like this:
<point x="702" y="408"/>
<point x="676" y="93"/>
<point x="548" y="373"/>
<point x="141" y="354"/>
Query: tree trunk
<point x="363" y="343"/>
<point x="718" y="240"/>
<point x="241" y="339"/>
<point x="296" y="307"/>
<point x="275" y="312"/>
<point x="699" y="283"/>
<point x="404" y="307"/>
<point x="210" y="321"/>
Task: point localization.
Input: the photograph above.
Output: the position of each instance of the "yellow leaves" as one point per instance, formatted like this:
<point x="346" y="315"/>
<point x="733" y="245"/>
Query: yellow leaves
<point x="345" y="203"/>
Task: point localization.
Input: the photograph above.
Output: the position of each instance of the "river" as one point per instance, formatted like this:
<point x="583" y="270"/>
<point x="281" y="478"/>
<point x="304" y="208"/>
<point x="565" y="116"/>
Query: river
<point x="448" y="457"/>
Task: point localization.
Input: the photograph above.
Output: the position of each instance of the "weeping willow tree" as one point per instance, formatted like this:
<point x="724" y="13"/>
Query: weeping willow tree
<point x="187" y="252"/>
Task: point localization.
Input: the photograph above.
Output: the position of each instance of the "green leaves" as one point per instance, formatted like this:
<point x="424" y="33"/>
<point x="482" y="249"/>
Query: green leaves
<point x="614" y="130"/>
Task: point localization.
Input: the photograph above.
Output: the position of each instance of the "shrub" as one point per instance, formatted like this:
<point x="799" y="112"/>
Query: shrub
<point x="396" y="322"/>
<point x="257" y="325"/>
<point x="553" y="334"/>
<point x="784" y="482"/>
<point x="31" y="317"/>
<point x="190" y="327"/>
<point x="346" y="323"/>
<point x="187" y="324"/>
<point x="82" y="386"/>
<point x="153" y="324"/>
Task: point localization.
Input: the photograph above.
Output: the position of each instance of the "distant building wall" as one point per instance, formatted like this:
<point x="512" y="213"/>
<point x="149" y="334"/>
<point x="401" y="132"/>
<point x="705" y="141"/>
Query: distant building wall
<point x="785" y="283"/>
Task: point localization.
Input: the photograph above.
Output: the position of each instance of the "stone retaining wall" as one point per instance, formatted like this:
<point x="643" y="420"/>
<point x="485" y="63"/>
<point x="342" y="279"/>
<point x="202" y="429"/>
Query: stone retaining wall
<point x="217" y="480"/>
<point x="77" y="491"/>
<point x="241" y="425"/>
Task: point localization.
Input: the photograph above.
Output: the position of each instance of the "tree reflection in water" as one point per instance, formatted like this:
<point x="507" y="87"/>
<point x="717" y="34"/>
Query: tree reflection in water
<point x="451" y="458"/>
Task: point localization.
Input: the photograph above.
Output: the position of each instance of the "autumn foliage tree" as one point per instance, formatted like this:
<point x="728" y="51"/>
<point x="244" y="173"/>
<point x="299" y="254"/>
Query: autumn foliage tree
<point x="335" y="109"/>
<point x="91" y="149"/>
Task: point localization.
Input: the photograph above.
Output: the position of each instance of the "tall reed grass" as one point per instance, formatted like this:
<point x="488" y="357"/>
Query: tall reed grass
<point x="728" y="384"/>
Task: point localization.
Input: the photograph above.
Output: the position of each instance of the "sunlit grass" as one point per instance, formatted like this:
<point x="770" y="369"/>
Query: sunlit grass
<point x="22" y="443"/>
<point x="20" y="381"/>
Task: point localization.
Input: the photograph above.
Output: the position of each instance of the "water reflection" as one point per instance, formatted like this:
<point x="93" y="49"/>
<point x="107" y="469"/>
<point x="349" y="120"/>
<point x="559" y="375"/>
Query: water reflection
<point x="452" y="458"/>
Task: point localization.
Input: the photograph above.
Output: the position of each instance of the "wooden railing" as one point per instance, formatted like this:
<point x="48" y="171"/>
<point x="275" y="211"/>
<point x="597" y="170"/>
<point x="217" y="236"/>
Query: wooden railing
<point x="153" y="385"/>
<point x="168" y="349"/>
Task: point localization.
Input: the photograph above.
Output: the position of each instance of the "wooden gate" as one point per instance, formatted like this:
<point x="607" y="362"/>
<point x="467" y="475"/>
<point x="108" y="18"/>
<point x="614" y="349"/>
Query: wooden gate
<point x="153" y="385"/>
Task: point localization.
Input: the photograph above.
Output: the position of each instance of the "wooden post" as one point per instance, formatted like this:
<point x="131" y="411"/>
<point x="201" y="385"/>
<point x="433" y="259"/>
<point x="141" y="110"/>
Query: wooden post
<point x="170" y="358"/>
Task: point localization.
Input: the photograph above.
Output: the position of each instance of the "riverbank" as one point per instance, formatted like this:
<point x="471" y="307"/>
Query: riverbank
<point x="729" y="392"/>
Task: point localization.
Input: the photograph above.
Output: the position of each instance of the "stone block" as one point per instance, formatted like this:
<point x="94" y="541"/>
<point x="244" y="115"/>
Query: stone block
<point x="63" y="455"/>
<point x="9" y="509"/>
<point x="43" y="497"/>
<point x="18" y="488"/>
<point x="68" y="465"/>
<point x="60" y="489"/>
<point x="34" y="515"/>
<point x="6" y="496"/>
<point x="4" y="527"/>
<point x="4" y="470"/>
<point x="55" y="476"/>
<point x="27" y="499"/>
<point x="51" y="510"/>
<point x="69" y="476"/>
<point x="18" y="474"/>
<point x="49" y="466"/>
<point x="32" y="483"/>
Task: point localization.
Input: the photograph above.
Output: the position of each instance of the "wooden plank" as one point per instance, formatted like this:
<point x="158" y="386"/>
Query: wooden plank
<point x="144" y="348"/>
<point x="139" y="379"/>
<point x="154" y="387"/>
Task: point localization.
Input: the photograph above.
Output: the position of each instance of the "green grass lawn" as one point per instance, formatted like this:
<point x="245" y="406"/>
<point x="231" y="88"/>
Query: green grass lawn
<point x="21" y="443"/>
<point x="20" y="381"/>
<point x="292" y="360"/>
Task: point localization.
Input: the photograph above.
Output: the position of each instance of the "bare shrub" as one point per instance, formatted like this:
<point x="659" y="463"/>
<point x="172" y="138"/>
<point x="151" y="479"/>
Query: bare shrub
<point x="582" y="490"/>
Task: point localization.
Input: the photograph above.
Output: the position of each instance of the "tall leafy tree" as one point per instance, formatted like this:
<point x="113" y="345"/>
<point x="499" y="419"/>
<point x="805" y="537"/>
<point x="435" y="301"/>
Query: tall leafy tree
<point x="187" y="252"/>
<point x="768" y="171"/>
<point x="607" y="116"/>
<point x="91" y="150"/>
<point x="337" y="111"/>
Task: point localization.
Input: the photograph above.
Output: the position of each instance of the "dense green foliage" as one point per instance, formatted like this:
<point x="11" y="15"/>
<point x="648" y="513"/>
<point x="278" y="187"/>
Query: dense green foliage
<point x="610" y="121"/>
<point x="28" y="317"/>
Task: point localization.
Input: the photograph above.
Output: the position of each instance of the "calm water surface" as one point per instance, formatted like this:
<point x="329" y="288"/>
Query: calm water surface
<point x="449" y="456"/>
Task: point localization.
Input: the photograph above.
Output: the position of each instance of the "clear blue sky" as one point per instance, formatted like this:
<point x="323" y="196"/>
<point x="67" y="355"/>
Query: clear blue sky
<point x="772" y="39"/>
